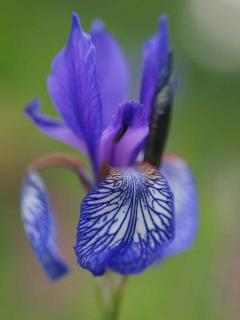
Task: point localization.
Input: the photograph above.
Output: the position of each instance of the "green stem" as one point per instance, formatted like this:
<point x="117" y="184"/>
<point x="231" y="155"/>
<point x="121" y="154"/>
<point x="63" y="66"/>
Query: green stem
<point x="110" y="293"/>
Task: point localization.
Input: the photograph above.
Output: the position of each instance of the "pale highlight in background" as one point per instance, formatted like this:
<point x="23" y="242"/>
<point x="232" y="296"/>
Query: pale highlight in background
<point x="214" y="28"/>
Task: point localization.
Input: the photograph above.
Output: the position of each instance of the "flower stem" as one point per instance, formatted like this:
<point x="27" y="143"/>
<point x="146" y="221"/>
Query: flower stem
<point x="110" y="293"/>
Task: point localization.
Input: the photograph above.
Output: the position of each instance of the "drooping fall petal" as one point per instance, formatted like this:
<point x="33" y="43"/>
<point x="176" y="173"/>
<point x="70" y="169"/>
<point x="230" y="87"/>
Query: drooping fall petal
<point x="182" y="184"/>
<point x="39" y="225"/>
<point x="125" y="221"/>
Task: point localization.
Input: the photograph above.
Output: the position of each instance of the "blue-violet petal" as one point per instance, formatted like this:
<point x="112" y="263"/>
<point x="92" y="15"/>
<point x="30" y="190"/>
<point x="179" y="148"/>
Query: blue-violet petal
<point x="112" y="71"/>
<point x="39" y="225"/>
<point x="156" y="51"/>
<point x="126" y="132"/>
<point x="125" y="221"/>
<point x="74" y="89"/>
<point x="53" y="127"/>
<point x="181" y="182"/>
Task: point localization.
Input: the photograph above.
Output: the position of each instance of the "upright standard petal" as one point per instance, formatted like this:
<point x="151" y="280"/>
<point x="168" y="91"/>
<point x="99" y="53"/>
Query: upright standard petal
<point x="74" y="89"/>
<point x="127" y="131"/>
<point x="125" y="221"/>
<point x="112" y="71"/>
<point x="156" y="51"/>
<point x="52" y="127"/>
<point x="39" y="225"/>
<point x="182" y="184"/>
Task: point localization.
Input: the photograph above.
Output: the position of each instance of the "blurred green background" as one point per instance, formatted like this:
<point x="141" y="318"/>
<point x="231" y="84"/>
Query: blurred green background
<point x="203" y="283"/>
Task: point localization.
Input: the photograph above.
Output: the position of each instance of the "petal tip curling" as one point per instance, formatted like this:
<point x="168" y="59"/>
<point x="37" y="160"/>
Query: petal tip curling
<point x="163" y="21"/>
<point x="75" y="20"/>
<point x="55" y="269"/>
<point x="32" y="107"/>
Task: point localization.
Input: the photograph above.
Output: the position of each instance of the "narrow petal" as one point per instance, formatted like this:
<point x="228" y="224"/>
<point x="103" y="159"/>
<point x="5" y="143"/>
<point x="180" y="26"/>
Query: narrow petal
<point x="39" y="226"/>
<point x="125" y="221"/>
<point x="156" y="51"/>
<point x="74" y="89"/>
<point x="128" y="129"/>
<point x="52" y="127"/>
<point x="112" y="71"/>
<point x="181" y="182"/>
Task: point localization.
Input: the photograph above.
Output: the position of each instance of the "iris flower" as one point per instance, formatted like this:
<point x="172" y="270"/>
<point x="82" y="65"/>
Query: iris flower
<point x="141" y="204"/>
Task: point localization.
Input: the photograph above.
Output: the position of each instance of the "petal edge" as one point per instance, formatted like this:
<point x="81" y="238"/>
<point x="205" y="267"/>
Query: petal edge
<point x="182" y="184"/>
<point x="38" y="222"/>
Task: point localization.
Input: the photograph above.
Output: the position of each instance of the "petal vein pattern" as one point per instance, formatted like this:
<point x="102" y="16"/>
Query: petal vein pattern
<point x="39" y="225"/>
<point x="125" y="221"/>
<point x="74" y="89"/>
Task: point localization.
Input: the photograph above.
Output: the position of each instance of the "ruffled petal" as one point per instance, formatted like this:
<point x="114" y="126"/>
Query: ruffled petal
<point x="156" y="51"/>
<point x="128" y="129"/>
<point x="52" y="127"/>
<point x="74" y="89"/>
<point x="182" y="184"/>
<point x="39" y="226"/>
<point x="112" y="71"/>
<point x="125" y="221"/>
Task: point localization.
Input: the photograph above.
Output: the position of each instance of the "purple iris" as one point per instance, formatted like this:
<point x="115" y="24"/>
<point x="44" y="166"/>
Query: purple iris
<point x="142" y="206"/>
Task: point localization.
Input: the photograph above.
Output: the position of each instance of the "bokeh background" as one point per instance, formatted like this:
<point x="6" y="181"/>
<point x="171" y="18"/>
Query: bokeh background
<point x="203" y="283"/>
